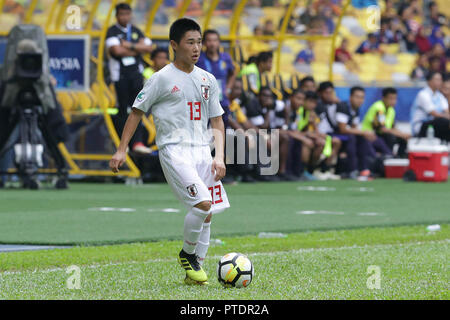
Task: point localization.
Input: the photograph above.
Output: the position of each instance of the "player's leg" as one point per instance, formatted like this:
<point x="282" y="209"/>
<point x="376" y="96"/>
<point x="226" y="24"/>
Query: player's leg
<point x="193" y="228"/>
<point x="203" y="242"/>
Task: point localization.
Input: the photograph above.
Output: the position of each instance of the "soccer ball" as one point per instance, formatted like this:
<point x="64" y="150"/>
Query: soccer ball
<point x="235" y="270"/>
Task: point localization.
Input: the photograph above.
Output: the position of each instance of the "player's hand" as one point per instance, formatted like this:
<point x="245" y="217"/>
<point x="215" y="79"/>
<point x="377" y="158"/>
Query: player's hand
<point x="370" y="135"/>
<point x="117" y="161"/>
<point x="219" y="167"/>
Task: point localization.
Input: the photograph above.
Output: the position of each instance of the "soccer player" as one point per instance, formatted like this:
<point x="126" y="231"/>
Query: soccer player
<point x="182" y="99"/>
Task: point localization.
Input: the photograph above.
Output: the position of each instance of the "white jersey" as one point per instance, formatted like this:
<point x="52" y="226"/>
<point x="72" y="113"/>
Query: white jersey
<point x="181" y="104"/>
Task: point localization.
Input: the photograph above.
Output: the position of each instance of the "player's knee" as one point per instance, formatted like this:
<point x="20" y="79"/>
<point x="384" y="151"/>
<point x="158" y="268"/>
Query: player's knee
<point x="204" y="205"/>
<point x="208" y="218"/>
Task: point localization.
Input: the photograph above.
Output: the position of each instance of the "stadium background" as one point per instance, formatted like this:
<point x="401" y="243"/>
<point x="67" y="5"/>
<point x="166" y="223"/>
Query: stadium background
<point x="88" y="111"/>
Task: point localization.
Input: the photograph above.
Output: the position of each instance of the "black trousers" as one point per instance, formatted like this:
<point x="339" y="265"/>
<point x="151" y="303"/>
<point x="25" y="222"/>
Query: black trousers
<point x="441" y="128"/>
<point x="391" y="140"/>
<point x="127" y="88"/>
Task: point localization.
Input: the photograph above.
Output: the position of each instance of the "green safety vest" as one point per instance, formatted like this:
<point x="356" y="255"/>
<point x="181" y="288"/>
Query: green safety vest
<point x="302" y="118"/>
<point x="379" y="112"/>
<point x="252" y="71"/>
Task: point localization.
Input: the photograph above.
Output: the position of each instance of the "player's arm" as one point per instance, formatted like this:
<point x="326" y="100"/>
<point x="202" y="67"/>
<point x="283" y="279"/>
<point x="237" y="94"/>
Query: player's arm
<point x="119" y="157"/>
<point x="218" y="164"/>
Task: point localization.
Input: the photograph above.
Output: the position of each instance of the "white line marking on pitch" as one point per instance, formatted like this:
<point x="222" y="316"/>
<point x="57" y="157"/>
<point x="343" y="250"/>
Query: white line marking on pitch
<point x="312" y="188"/>
<point x="254" y="254"/>
<point x="310" y="212"/>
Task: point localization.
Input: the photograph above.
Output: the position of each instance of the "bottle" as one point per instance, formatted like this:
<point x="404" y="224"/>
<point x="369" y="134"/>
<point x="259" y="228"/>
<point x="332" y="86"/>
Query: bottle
<point x="430" y="132"/>
<point x="271" y="235"/>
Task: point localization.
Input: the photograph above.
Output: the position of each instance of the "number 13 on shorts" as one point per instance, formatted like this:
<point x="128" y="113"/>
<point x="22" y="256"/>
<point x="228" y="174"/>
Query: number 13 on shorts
<point x="195" y="110"/>
<point x="216" y="194"/>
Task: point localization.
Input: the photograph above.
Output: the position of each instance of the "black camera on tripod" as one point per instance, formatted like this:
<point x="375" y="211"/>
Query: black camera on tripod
<point x="28" y="107"/>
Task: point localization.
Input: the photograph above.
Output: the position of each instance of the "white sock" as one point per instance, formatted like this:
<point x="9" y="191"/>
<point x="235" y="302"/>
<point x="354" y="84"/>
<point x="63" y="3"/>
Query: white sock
<point x="193" y="224"/>
<point x="203" y="242"/>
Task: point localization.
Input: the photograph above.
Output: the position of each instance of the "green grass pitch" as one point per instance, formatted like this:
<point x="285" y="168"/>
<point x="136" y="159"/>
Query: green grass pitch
<point x="336" y="232"/>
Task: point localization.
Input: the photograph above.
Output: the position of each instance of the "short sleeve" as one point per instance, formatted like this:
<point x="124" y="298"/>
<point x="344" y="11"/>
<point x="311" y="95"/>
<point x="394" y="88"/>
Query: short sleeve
<point x="229" y="62"/>
<point x="149" y="95"/>
<point x="215" y="109"/>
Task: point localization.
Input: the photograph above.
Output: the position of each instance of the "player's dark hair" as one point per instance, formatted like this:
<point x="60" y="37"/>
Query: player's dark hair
<point x="265" y="88"/>
<point x="122" y="6"/>
<point x="264" y="56"/>
<point x="311" y="95"/>
<point x="431" y="74"/>
<point x="210" y="31"/>
<point x="325" y="85"/>
<point x="297" y="91"/>
<point x="307" y="79"/>
<point x="157" y="51"/>
<point x="180" y="27"/>
<point x="252" y="59"/>
<point x="356" y="88"/>
<point x="388" y="90"/>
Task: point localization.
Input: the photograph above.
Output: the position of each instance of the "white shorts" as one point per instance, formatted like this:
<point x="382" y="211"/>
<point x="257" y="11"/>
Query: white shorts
<point x="188" y="171"/>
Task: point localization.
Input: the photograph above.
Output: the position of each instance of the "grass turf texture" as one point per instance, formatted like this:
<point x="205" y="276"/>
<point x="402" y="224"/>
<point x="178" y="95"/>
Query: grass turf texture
<point x="311" y="265"/>
<point x="63" y="216"/>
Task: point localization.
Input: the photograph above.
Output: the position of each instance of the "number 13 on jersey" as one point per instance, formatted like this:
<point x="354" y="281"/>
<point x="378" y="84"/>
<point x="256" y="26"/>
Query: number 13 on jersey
<point x="195" y="110"/>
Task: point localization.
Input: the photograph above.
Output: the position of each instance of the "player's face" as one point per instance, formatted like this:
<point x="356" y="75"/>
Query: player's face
<point x="309" y="86"/>
<point x="357" y="98"/>
<point x="328" y="95"/>
<point x="266" y="98"/>
<point x="212" y="42"/>
<point x="297" y="100"/>
<point x="236" y="90"/>
<point x="189" y="48"/>
<point x="123" y="17"/>
<point x="160" y="61"/>
<point x="435" y="82"/>
<point x="390" y="100"/>
<point x="310" y="104"/>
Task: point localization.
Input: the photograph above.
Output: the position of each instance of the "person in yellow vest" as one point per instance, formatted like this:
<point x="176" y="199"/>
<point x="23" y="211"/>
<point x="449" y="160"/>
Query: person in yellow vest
<point x="160" y="58"/>
<point x="381" y="118"/>
<point x="256" y="69"/>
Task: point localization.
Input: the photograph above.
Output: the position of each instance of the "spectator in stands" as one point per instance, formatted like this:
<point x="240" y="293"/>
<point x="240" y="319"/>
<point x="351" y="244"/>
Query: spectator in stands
<point x="327" y="16"/>
<point x="438" y="53"/>
<point x="431" y="108"/>
<point x="220" y="65"/>
<point x="125" y="43"/>
<point x="437" y="37"/>
<point x="384" y="34"/>
<point x="304" y="130"/>
<point x="371" y="45"/>
<point x="343" y="55"/>
<point x="381" y="118"/>
<point x="255" y="70"/>
<point x="408" y="43"/>
<point x="423" y="44"/>
<point x="389" y="10"/>
<point x="160" y="58"/>
<point x="436" y="17"/>
<point x="307" y="84"/>
<point x="268" y="28"/>
<point x="420" y="71"/>
<point x="406" y="14"/>
<point x="356" y="140"/>
<point x="255" y="45"/>
<point x="306" y="55"/>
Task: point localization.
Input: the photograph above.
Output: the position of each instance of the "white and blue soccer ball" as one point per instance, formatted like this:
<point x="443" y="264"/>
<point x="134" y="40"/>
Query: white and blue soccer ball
<point x="235" y="270"/>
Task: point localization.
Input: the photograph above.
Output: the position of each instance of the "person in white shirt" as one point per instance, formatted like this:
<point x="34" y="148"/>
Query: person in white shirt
<point x="182" y="99"/>
<point x="430" y="108"/>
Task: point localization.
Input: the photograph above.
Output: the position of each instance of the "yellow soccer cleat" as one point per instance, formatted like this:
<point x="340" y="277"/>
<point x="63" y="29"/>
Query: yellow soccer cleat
<point x="194" y="272"/>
